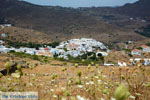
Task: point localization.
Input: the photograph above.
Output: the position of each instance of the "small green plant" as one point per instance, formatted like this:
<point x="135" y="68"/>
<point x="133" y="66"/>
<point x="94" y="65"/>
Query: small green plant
<point x="1" y="75"/>
<point x="31" y="67"/>
<point x="92" y="63"/>
<point x="78" y="82"/>
<point x="121" y="92"/>
<point x="83" y="60"/>
<point x="67" y="93"/>
<point x="89" y="66"/>
<point x="8" y="66"/>
<point x="4" y="89"/>
<point x="96" y="65"/>
<point x="54" y="76"/>
<point x="16" y="75"/>
<point x="64" y="69"/>
<point x="76" y="65"/>
<point x="36" y="65"/>
<point x="70" y="81"/>
<point x="19" y="67"/>
<point x="65" y="63"/>
<point x="79" y="73"/>
<point x="19" y="70"/>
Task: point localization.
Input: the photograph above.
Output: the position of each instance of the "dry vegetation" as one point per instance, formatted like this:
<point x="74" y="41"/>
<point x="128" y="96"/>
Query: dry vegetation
<point x="64" y="81"/>
<point x="25" y="35"/>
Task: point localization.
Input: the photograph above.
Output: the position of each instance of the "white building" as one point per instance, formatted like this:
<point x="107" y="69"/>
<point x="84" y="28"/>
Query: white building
<point x="73" y="47"/>
<point x="122" y="64"/>
<point x="7" y="25"/>
<point x="136" y="52"/>
<point x="4" y="49"/>
<point x="3" y="35"/>
<point x="1" y="42"/>
<point x="107" y="64"/>
<point x="145" y="48"/>
<point x="103" y="53"/>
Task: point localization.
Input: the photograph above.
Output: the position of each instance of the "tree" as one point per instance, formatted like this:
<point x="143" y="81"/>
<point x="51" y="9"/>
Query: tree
<point x="84" y="56"/>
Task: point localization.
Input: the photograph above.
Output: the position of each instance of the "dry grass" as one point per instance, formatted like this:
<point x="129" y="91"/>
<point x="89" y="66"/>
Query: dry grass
<point x="54" y="82"/>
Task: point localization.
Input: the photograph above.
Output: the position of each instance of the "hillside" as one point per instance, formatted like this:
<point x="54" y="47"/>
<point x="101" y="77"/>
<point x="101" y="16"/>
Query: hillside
<point x="24" y="35"/>
<point x="140" y="8"/>
<point x="103" y="24"/>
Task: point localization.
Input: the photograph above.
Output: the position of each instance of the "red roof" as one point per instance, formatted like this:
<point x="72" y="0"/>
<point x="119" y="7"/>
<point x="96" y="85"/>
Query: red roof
<point x="144" y="46"/>
<point x="45" y="53"/>
<point x="136" y="50"/>
<point x="46" y="49"/>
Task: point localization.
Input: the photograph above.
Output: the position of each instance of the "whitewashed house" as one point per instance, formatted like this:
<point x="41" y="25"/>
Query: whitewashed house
<point x="145" y="48"/>
<point x="136" y="52"/>
<point x="4" y="49"/>
<point x="30" y="52"/>
<point x="7" y="25"/>
<point x="122" y="64"/>
<point x="3" y="35"/>
<point x="1" y="42"/>
<point x="12" y="48"/>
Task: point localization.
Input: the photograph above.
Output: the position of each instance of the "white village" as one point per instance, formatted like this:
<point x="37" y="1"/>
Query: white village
<point x="73" y="47"/>
<point x="78" y="47"/>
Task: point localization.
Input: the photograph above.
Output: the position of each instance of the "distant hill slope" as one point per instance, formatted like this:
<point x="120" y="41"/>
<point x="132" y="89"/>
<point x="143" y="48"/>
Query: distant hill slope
<point x="16" y="34"/>
<point x="140" y="8"/>
<point x="103" y="24"/>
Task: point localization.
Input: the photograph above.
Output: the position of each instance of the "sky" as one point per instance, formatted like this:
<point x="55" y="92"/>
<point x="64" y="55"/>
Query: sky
<point x="81" y="3"/>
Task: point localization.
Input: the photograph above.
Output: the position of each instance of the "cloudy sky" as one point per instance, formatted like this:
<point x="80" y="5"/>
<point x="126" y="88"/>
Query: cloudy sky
<point x="81" y="3"/>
